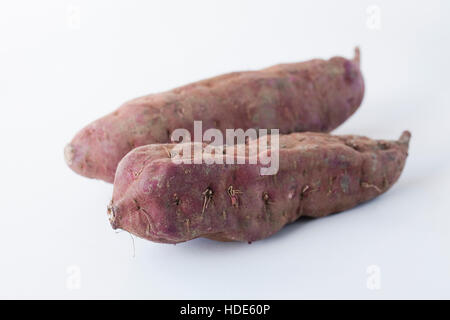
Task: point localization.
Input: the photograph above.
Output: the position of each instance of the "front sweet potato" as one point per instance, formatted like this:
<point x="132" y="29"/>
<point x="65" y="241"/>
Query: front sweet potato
<point x="319" y="174"/>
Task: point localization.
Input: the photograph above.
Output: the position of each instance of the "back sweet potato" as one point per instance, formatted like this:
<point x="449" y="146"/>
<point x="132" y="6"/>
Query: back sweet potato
<point x="316" y="95"/>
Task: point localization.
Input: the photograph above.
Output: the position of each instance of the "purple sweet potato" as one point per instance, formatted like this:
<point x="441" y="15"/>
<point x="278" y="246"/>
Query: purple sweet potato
<point x="316" y="95"/>
<point x="319" y="174"/>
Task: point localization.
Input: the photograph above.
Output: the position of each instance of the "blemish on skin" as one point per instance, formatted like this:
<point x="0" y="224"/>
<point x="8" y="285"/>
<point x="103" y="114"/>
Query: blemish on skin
<point x="305" y="189"/>
<point x="149" y="222"/>
<point x="342" y="158"/>
<point x="374" y="163"/>
<point x="137" y="173"/>
<point x="176" y="200"/>
<point x="291" y="194"/>
<point x="138" y="207"/>
<point x="385" y="181"/>
<point x="330" y="184"/>
<point x="345" y="183"/>
<point x="207" y="198"/>
<point x="368" y="186"/>
<point x="169" y="154"/>
<point x="352" y="145"/>
<point x="266" y="198"/>
<point x="350" y="72"/>
<point x="391" y="156"/>
<point x="383" y="145"/>
<point x="267" y="209"/>
<point x="233" y="193"/>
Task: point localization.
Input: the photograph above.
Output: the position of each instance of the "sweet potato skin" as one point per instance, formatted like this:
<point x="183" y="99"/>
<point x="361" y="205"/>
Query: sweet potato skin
<point x="316" y="95"/>
<point x="319" y="174"/>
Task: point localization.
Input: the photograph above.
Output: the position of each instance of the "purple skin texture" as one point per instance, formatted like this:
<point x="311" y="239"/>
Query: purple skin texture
<point x="317" y="95"/>
<point x="319" y="174"/>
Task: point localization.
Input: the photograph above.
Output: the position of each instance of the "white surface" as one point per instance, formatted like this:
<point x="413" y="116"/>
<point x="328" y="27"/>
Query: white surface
<point x="56" y="76"/>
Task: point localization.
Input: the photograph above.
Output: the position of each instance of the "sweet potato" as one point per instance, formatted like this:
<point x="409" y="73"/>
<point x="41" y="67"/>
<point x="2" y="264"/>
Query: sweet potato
<point x="316" y="95"/>
<point x="319" y="174"/>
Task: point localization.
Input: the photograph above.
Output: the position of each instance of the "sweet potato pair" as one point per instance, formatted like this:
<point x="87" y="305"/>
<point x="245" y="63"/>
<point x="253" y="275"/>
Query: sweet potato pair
<point x="319" y="174"/>
<point x="316" y="95"/>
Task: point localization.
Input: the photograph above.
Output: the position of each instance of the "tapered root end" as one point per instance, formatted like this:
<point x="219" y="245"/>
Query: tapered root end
<point x="357" y="57"/>
<point x="69" y="154"/>
<point x="112" y="215"/>
<point x="404" y="138"/>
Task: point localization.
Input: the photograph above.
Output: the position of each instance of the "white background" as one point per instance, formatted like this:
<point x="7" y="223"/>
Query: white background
<point x="66" y="63"/>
